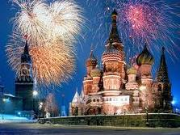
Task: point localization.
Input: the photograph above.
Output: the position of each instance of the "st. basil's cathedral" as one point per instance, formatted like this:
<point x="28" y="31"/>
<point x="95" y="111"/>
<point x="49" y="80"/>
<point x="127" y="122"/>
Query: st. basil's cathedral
<point x="116" y="89"/>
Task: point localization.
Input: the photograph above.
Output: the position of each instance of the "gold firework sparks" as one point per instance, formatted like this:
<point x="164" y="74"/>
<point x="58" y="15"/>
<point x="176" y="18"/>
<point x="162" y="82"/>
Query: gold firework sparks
<point x="50" y="63"/>
<point x="51" y="31"/>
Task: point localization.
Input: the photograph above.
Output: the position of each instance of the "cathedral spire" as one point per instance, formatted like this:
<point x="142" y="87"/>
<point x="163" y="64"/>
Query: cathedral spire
<point x="162" y="75"/>
<point x="114" y="35"/>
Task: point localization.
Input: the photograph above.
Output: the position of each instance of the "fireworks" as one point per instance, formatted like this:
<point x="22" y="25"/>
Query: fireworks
<point x="51" y="31"/>
<point x="147" y="20"/>
<point x="65" y="19"/>
<point x="50" y="63"/>
<point x="31" y="20"/>
<point x="43" y="23"/>
<point x="141" y="21"/>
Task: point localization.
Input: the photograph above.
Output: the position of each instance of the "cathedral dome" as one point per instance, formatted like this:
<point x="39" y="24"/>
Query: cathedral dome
<point x="145" y="57"/>
<point x="96" y="72"/>
<point x="91" y="61"/>
<point x="132" y="70"/>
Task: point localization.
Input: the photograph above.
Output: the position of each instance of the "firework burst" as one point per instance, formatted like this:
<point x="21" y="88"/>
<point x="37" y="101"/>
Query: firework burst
<point x="43" y="23"/>
<point x="31" y="20"/>
<point x="147" y="20"/>
<point x="51" y="31"/>
<point x="51" y="64"/>
<point x="141" y="21"/>
<point x="65" y="19"/>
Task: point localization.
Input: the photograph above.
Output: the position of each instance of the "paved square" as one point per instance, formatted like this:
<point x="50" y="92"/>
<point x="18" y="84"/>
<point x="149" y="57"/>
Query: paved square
<point x="37" y="129"/>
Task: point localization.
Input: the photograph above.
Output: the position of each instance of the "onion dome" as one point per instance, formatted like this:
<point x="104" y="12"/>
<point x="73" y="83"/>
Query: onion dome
<point x="91" y="61"/>
<point x="145" y="57"/>
<point x="96" y="72"/>
<point x="25" y="57"/>
<point x="132" y="70"/>
<point x="110" y="49"/>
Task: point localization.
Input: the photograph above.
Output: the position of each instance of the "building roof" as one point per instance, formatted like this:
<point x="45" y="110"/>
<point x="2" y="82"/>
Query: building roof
<point x="114" y="35"/>
<point x="91" y="61"/>
<point x="132" y="70"/>
<point x="145" y="57"/>
<point x="76" y="98"/>
<point x="10" y="95"/>
<point x="162" y="75"/>
<point x="96" y="72"/>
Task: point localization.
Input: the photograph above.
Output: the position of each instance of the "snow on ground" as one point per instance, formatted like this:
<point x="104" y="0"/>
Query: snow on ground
<point x="6" y="118"/>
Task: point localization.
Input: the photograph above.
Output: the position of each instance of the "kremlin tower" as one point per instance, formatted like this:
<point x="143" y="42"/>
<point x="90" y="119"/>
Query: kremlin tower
<point x="24" y="80"/>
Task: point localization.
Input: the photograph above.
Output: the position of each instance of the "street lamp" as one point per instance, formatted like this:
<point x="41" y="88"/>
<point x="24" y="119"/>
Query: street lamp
<point x="40" y="109"/>
<point x="35" y="93"/>
<point x="144" y="88"/>
<point x="3" y="108"/>
<point x="40" y="105"/>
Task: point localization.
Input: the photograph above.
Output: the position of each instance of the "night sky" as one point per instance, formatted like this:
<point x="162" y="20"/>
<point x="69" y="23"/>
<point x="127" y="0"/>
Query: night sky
<point x="87" y="39"/>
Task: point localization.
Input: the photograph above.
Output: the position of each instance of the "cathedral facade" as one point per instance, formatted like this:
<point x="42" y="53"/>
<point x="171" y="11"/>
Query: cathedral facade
<point x="116" y="89"/>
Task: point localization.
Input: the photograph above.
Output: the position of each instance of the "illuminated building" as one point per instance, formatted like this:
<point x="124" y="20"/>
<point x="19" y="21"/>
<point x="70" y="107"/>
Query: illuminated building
<point x="116" y="89"/>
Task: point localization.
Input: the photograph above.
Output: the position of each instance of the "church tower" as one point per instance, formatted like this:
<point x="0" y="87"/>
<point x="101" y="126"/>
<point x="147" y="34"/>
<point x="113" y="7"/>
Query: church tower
<point x="88" y="79"/>
<point x="113" y="60"/>
<point x="164" y="85"/>
<point x="113" y="71"/>
<point x="24" y="80"/>
<point x="145" y="61"/>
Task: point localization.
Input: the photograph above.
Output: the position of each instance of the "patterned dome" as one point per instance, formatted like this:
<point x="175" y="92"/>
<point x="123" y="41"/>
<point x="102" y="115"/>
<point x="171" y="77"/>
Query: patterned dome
<point x="91" y="61"/>
<point x="145" y="57"/>
<point x="96" y="72"/>
<point x="132" y="70"/>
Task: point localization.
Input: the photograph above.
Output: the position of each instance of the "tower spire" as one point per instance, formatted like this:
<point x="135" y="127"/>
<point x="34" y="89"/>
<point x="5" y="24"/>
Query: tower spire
<point x="26" y="48"/>
<point x="25" y="57"/>
<point x="162" y="75"/>
<point x="114" y="35"/>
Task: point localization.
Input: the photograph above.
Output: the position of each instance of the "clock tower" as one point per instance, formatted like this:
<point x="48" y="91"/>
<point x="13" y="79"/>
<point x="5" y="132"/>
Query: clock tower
<point x="24" y="80"/>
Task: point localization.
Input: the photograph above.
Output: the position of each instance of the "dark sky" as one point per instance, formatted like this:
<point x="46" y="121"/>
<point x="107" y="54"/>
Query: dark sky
<point x="83" y="49"/>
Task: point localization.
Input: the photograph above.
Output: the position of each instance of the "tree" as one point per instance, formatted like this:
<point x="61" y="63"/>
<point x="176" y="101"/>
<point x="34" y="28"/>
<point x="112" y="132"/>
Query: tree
<point x="51" y="106"/>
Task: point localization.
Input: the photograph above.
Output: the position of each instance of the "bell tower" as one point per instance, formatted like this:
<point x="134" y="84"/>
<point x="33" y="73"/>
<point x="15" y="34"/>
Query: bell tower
<point x="24" y="80"/>
<point x="88" y="79"/>
<point x="113" y="59"/>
